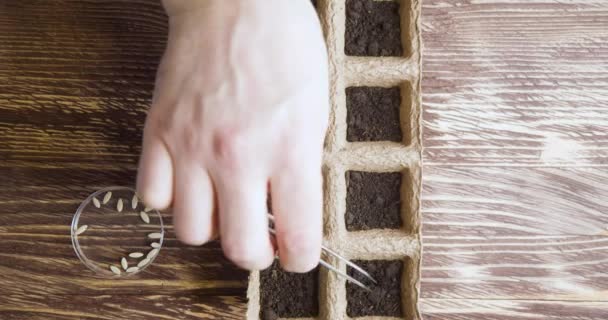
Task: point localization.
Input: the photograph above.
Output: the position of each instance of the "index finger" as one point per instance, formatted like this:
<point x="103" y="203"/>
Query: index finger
<point x="297" y="202"/>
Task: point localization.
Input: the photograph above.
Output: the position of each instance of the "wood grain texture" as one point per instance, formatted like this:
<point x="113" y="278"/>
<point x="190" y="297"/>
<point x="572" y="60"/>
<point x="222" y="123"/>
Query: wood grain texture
<point x="512" y="267"/>
<point x="87" y="66"/>
<point x="136" y="307"/>
<point x="515" y="163"/>
<point x="515" y="201"/>
<point x="76" y="79"/>
<point x="515" y="82"/>
<point x="446" y="309"/>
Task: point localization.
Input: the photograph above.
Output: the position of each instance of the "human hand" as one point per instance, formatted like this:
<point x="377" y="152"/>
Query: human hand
<point x="240" y="104"/>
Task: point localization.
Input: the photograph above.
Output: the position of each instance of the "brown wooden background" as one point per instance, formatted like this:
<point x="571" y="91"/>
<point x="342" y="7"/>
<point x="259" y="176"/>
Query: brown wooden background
<point x="515" y="180"/>
<point x="515" y="210"/>
<point x="75" y="82"/>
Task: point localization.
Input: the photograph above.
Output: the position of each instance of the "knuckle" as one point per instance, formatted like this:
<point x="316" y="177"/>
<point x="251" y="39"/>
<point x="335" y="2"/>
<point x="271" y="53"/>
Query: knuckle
<point x="172" y="123"/>
<point x="228" y="147"/>
<point x="154" y="127"/>
<point x="299" y="241"/>
<point x="191" y="138"/>
<point x="156" y="120"/>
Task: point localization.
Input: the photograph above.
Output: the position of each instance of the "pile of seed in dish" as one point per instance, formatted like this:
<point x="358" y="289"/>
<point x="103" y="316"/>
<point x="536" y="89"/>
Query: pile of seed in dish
<point x="141" y="259"/>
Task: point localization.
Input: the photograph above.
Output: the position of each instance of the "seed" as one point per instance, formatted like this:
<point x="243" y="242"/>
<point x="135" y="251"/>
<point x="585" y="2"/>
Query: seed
<point x="155" y="245"/>
<point x="134" y="202"/>
<point x="119" y="205"/>
<point x="152" y="253"/>
<point x="145" y="217"/>
<point x="96" y="203"/>
<point x="107" y="197"/>
<point x="155" y="235"/>
<point x="136" y="255"/>
<point x="147" y="209"/>
<point x="115" y="270"/>
<point x="132" y="269"/>
<point x="81" y="229"/>
<point x="124" y="263"/>
<point x="143" y="262"/>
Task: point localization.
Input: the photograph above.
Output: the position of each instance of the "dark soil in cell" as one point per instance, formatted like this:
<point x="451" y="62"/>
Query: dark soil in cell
<point x="373" y="28"/>
<point x="288" y="295"/>
<point x="385" y="298"/>
<point x="373" y="200"/>
<point x="373" y="114"/>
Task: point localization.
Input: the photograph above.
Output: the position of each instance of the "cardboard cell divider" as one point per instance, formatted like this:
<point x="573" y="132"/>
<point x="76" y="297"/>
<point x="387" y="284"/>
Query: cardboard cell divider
<point x="341" y="156"/>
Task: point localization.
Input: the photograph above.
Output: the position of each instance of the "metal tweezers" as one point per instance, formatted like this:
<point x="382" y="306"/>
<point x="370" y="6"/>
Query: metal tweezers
<point x="332" y="268"/>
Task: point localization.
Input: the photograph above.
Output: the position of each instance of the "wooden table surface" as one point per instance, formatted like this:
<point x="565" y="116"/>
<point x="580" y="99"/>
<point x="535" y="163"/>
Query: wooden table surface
<point x="515" y="179"/>
<point x="515" y="210"/>
<point x="76" y="79"/>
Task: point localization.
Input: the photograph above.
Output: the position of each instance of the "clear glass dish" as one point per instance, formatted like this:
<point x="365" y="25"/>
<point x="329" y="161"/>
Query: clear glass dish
<point x="112" y="224"/>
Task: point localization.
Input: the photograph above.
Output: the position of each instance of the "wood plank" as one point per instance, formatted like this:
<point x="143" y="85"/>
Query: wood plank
<point x="35" y="306"/>
<point x="50" y="266"/>
<point x="56" y="189"/>
<point x="515" y="83"/>
<point x="514" y="233"/>
<point x="76" y="80"/>
<point x="514" y="201"/>
<point x="36" y="252"/>
<point x="512" y="267"/>
<point x="469" y="309"/>
<point x="515" y="111"/>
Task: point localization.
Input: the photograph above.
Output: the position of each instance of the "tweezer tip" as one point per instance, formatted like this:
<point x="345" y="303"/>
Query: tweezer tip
<point x="366" y="287"/>
<point x="366" y="275"/>
<point x="362" y="286"/>
<point x="350" y="263"/>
